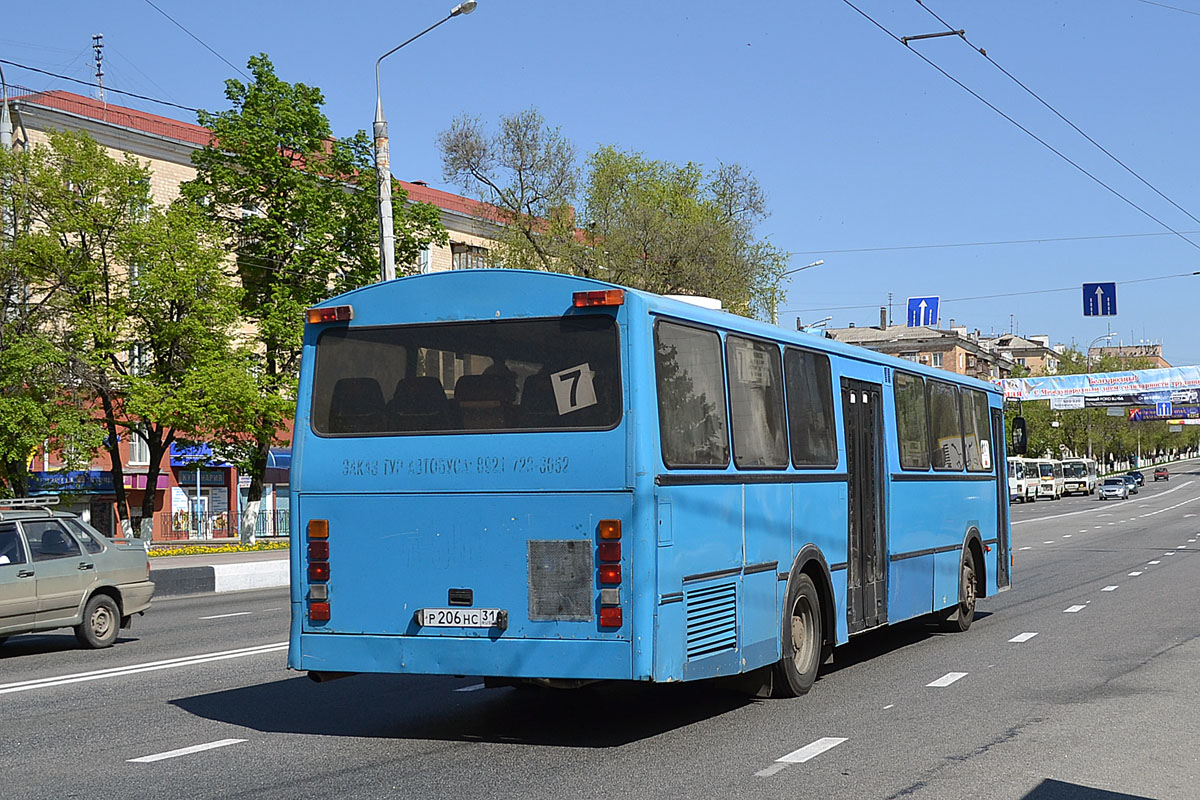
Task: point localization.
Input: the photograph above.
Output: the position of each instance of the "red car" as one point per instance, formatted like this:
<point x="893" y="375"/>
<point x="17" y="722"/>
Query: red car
<point x="1160" y="473"/>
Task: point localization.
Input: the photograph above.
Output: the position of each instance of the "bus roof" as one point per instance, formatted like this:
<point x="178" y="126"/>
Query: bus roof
<point x="658" y="304"/>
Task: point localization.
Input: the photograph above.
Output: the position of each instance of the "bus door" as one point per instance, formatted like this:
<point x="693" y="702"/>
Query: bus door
<point x="866" y="592"/>
<point x="1002" y="576"/>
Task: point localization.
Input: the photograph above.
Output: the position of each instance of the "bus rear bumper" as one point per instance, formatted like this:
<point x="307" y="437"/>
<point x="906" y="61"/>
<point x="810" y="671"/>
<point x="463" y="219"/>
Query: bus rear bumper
<point x="593" y="659"/>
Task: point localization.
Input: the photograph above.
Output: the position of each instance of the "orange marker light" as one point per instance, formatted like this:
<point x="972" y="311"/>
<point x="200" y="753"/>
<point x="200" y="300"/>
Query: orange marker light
<point x="609" y="528"/>
<point x="318" y="529"/>
<point x="330" y="314"/>
<point x="603" y="297"/>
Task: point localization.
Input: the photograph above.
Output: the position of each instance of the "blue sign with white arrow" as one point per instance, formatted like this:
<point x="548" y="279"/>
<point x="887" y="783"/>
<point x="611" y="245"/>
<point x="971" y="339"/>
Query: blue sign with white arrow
<point x="1162" y="410"/>
<point x="922" y="311"/>
<point x="1100" y="299"/>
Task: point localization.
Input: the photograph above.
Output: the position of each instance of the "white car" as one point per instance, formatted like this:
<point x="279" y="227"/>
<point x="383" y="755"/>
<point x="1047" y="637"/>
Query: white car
<point x="1114" y="489"/>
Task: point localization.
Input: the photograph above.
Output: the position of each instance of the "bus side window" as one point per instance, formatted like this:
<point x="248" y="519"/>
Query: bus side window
<point x="810" y="408"/>
<point x="691" y="396"/>
<point x="945" y="426"/>
<point x="912" y="424"/>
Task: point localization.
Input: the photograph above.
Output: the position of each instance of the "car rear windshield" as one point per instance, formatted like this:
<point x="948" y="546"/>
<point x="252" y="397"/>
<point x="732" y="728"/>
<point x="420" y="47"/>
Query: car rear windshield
<point x="504" y="375"/>
<point x="1114" y="481"/>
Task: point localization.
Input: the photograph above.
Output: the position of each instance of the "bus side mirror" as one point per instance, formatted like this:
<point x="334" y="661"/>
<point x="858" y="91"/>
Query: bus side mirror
<point x="1019" y="436"/>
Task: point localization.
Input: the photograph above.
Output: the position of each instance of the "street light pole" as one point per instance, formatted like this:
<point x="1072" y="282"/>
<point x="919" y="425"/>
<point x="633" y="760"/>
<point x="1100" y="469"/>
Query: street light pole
<point x="774" y="315"/>
<point x="1087" y="368"/>
<point x="383" y="170"/>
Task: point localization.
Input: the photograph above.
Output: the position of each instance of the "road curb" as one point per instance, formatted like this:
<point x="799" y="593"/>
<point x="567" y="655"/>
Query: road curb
<point x="208" y="579"/>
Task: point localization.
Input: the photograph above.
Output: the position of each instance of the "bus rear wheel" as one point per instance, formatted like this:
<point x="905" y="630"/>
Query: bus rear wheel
<point x="962" y="615"/>
<point x="802" y="645"/>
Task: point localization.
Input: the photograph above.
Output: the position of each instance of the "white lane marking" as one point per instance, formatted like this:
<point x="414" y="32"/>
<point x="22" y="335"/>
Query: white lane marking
<point x="1190" y="541"/>
<point x="223" y="616"/>
<point x="1085" y="530"/>
<point x="1047" y="542"/>
<point x="1169" y="553"/>
<point x="1187" y="516"/>
<point x="472" y="688"/>
<point x="1109" y="589"/>
<point x="1104" y="515"/>
<point x="1096" y="528"/>
<point x="771" y="770"/>
<point x="947" y="679"/>
<point x="116" y="672"/>
<point x="1134" y="574"/>
<point x="1112" y="523"/>
<point x="1023" y="637"/>
<point x="1181" y="547"/>
<point x="810" y="751"/>
<point x="889" y="705"/>
<point x="1068" y="535"/>
<point x="1074" y="609"/>
<point x="1153" y="562"/>
<point x="1024" y="548"/>
<point x="185" y="751"/>
<point x="1089" y="510"/>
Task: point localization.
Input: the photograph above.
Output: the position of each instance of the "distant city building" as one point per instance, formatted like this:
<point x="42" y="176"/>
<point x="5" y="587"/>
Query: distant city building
<point x="953" y="350"/>
<point x="1034" y="353"/>
<point x="1151" y="353"/>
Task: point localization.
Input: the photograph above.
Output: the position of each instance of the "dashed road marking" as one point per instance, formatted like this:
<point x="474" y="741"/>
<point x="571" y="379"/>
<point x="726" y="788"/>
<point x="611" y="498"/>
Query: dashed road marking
<point x="946" y="680"/>
<point x="889" y="705"/>
<point x="475" y="687"/>
<point x="1181" y="547"/>
<point x="185" y="751"/>
<point x="1022" y="637"/>
<point x="806" y="753"/>
<point x="1186" y="516"/>
<point x="1047" y="542"/>
<point x="1109" y="589"/>
<point x="1074" y="609"/>
<point x="1134" y="574"/>
<point x="1169" y="553"/>
<point x="1153" y="562"/>
<point x="1068" y="535"/>
<point x="1025" y="548"/>
<point x="223" y="616"/>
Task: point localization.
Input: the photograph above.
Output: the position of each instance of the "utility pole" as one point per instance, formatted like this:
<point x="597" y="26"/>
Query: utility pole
<point x="98" y="46"/>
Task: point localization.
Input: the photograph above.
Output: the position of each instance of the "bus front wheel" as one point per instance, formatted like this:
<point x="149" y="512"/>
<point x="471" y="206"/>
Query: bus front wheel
<point x="802" y="650"/>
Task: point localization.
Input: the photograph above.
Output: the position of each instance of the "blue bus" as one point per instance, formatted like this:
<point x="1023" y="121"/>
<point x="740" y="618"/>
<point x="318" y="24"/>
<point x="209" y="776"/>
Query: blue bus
<point x="526" y="475"/>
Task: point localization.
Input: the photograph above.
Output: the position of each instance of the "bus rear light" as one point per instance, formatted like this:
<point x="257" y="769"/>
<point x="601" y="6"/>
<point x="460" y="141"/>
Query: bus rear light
<point x="318" y="551"/>
<point x="319" y="612"/>
<point x="610" y="617"/>
<point x="610" y="574"/>
<point x="330" y="314"/>
<point x="318" y="591"/>
<point x="610" y="528"/>
<point x="318" y="529"/>
<point x="609" y="551"/>
<point x="610" y="597"/>
<point x="318" y="571"/>
<point x="604" y="297"/>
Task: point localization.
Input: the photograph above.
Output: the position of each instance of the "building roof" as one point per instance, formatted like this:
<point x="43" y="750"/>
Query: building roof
<point x="199" y="136"/>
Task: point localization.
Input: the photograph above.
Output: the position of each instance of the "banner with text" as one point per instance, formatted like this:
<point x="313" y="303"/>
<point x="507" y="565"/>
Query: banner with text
<point x="1135" y="387"/>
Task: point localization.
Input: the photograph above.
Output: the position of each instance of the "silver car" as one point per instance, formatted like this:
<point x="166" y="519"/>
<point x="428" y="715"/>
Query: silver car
<point x="56" y="571"/>
<point x="1114" y="489"/>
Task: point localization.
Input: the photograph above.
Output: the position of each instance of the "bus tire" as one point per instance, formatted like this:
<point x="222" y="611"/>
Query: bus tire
<point x="963" y="614"/>
<point x="801" y="639"/>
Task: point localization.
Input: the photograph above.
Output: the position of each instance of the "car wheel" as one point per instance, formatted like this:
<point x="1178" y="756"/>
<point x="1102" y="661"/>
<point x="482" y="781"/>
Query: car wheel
<point x="962" y="615"/>
<point x="101" y="623"/>
<point x="802" y="646"/>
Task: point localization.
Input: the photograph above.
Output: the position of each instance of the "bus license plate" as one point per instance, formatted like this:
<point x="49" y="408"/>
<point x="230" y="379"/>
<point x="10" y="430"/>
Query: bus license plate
<point x="460" y="617"/>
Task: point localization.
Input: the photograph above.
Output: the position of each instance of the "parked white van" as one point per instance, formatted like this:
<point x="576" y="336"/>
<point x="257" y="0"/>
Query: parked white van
<point x="1050" y="478"/>
<point x="1079" y="475"/>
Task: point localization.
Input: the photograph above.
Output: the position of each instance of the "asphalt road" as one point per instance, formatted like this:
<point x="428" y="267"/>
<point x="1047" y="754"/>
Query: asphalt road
<point x="1082" y="682"/>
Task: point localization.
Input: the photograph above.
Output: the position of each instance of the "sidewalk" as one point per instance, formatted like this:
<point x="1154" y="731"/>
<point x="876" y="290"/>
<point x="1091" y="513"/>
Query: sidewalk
<point x="219" y="572"/>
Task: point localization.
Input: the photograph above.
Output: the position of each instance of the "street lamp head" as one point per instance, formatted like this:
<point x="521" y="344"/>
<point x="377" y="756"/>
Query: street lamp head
<point x="465" y="7"/>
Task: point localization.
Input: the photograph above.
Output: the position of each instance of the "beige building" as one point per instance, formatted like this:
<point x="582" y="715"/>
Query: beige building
<point x="1034" y="353"/>
<point x="953" y="350"/>
<point x="1153" y="353"/>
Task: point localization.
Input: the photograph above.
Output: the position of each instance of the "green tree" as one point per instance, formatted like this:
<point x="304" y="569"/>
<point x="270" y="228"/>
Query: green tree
<point x="298" y="209"/>
<point x="649" y="224"/>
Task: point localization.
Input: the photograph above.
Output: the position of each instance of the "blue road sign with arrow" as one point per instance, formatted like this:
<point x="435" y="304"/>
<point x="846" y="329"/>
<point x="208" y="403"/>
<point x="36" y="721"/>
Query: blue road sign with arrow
<point x="922" y="311"/>
<point x="1162" y="410"/>
<point x="1100" y="299"/>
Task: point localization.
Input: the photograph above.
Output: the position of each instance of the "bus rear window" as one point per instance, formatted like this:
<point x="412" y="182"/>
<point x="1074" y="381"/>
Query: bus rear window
<point x="503" y="375"/>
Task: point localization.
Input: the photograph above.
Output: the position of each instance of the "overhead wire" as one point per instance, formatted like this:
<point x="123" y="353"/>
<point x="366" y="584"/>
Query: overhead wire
<point x="198" y="39"/>
<point x="1040" y="240"/>
<point x="1021" y="127"/>
<point x="1056" y="112"/>
<point x="91" y="85"/>
<point x="1170" y="8"/>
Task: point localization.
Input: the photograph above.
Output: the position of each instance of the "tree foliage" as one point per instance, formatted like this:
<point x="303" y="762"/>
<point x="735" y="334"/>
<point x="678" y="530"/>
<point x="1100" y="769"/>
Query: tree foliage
<point x="654" y="225"/>
<point x="298" y="209"/>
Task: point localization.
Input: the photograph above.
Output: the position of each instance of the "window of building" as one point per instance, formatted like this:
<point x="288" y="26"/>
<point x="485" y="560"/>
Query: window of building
<point x="910" y="356"/>
<point x="945" y="426"/>
<point x="936" y="359"/>
<point x="425" y="260"/>
<point x="139" y="448"/>
<point x="810" y="408"/>
<point x="977" y="431"/>
<point x="467" y="256"/>
<point x="1021" y="361"/>
<point x="756" y="404"/>
<point x="912" y="429"/>
<point x="691" y="396"/>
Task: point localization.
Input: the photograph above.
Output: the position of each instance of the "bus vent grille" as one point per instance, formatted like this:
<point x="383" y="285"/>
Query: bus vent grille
<point x="560" y="580"/>
<point x="711" y="620"/>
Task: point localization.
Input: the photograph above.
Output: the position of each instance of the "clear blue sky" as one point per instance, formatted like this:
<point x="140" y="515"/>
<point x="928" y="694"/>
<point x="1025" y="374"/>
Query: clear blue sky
<point x="859" y="144"/>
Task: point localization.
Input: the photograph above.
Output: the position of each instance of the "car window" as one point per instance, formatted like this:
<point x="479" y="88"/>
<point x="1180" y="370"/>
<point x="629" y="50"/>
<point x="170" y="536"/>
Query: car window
<point x="90" y="541"/>
<point x="11" y="549"/>
<point x="48" y="540"/>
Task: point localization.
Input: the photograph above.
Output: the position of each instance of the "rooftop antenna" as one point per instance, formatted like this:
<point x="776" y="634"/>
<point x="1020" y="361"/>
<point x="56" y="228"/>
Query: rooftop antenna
<point x="98" y="46"/>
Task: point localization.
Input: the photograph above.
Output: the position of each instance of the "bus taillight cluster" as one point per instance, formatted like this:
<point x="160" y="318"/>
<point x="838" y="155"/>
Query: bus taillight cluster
<point x="318" y="570"/>
<point x="608" y="553"/>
